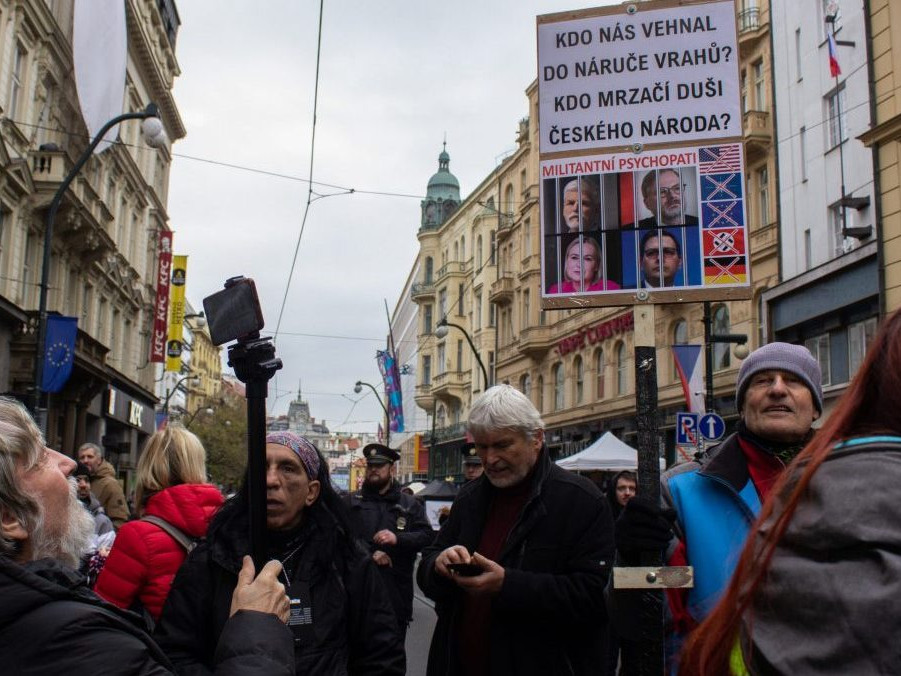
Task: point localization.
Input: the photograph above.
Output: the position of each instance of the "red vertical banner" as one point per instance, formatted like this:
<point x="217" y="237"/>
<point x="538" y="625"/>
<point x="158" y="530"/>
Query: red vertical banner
<point x="161" y="306"/>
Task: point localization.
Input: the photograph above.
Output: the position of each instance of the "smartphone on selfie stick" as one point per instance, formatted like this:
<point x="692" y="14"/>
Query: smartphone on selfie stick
<point x="234" y="314"/>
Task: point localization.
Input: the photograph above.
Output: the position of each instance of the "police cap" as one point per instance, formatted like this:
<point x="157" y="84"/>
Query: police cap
<point x="379" y="454"/>
<point x="470" y="457"/>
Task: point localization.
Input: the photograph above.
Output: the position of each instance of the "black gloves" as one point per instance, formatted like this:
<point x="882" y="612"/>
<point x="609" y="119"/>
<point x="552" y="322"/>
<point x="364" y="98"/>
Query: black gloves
<point x="643" y="526"/>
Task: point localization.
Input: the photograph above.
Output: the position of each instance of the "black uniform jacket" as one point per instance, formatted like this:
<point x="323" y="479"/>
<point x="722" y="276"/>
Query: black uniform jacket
<point x="549" y="617"/>
<point x="404" y="516"/>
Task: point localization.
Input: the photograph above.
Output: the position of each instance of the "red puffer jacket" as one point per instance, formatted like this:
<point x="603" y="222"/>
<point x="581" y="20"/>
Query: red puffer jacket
<point x="144" y="558"/>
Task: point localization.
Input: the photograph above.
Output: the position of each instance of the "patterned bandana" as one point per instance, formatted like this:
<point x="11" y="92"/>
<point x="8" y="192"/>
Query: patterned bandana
<point x="309" y="458"/>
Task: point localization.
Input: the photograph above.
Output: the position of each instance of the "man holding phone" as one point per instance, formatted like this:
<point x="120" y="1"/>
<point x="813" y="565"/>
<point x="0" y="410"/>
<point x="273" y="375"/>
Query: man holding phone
<point x="518" y="571"/>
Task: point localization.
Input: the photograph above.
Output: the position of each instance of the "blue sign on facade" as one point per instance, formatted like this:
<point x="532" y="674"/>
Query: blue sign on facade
<point x="687" y="429"/>
<point x="712" y="427"/>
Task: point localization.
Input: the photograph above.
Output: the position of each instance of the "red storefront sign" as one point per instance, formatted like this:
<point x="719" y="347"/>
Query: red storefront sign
<point x="596" y="333"/>
<point x="161" y="306"/>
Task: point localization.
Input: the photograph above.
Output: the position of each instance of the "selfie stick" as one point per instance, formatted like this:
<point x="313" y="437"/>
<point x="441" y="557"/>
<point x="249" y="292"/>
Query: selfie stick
<point x="254" y="361"/>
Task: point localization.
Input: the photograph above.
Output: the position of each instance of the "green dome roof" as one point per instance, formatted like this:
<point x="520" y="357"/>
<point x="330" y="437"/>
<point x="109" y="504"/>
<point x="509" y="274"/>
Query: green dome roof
<point x="443" y="185"/>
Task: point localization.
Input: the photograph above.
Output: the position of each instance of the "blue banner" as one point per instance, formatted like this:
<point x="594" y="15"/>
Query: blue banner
<point x="391" y="377"/>
<point x="59" y="354"/>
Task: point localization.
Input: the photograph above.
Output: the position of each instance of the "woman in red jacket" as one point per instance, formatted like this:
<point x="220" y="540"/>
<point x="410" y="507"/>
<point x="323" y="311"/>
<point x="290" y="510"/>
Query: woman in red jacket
<point x="171" y="486"/>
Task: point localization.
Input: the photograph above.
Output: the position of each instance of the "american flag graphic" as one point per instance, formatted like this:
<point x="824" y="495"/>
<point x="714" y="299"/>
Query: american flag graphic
<point x="720" y="159"/>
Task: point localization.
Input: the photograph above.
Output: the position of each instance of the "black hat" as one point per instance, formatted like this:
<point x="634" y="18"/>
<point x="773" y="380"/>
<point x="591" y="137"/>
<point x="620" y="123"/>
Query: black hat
<point x="379" y="454"/>
<point x="81" y="470"/>
<point x="470" y="457"/>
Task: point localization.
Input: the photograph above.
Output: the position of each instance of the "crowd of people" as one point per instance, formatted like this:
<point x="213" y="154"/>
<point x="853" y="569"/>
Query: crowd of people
<point x="790" y="532"/>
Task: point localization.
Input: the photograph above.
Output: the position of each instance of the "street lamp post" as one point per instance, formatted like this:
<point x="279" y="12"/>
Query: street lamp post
<point x="155" y="136"/>
<point x="169" y="393"/>
<point x="358" y="387"/>
<point x="741" y="351"/>
<point x="441" y="332"/>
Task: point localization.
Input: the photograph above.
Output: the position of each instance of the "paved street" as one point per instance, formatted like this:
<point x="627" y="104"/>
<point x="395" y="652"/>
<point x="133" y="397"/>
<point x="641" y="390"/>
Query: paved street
<point x="419" y="635"/>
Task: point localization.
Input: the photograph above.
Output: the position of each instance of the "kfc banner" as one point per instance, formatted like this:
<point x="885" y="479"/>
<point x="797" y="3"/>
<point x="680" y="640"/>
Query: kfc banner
<point x="176" y="313"/>
<point x="161" y="306"/>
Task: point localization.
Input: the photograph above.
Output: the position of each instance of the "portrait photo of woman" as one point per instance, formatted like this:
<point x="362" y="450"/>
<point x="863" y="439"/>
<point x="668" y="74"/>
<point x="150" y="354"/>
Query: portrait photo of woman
<point x="582" y="268"/>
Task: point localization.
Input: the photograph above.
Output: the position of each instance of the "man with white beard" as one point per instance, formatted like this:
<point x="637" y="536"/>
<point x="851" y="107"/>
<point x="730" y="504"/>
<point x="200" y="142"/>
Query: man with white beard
<point x="47" y="608"/>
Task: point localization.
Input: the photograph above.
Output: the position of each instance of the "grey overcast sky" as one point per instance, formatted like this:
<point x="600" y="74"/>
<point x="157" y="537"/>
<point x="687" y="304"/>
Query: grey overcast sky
<point x="395" y="77"/>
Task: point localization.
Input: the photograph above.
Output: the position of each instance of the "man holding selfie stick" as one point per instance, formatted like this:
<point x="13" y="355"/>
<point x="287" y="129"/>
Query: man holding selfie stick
<point x="518" y="571"/>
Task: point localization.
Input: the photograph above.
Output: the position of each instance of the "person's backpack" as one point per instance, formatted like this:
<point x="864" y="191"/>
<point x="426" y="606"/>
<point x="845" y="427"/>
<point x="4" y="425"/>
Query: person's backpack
<point x="177" y="534"/>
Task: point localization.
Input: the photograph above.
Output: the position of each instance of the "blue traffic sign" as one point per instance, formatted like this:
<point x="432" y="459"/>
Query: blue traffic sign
<point x="712" y="427"/>
<point x="687" y="429"/>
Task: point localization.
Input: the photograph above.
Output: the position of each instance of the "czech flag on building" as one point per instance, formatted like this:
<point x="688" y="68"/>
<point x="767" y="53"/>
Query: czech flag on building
<point x="834" y="69"/>
<point x="688" y="364"/>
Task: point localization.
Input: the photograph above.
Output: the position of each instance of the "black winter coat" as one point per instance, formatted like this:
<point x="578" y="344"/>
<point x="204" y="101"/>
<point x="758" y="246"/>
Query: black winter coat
<point x="51" y="623"/>
<point x="549" y="617"/>
<point x="354" y="630"/>
<point x="404" y="516"/>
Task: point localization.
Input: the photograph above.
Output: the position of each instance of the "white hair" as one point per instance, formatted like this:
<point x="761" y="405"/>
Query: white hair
<point x="504" y="407"/>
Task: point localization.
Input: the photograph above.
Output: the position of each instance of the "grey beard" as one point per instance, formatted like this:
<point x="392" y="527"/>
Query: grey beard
<point x="69" y="546"/>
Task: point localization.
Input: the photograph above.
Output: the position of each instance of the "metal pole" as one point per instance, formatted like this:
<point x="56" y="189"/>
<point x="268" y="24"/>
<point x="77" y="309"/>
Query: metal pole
<point x="651" y="655"/>
<point x="38" y="406"/>
<point x="708" y="356"/>
<point x="384" y="408"/>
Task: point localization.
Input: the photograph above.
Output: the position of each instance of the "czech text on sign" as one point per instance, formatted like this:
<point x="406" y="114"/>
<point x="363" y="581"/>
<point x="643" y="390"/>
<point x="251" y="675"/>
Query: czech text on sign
<point x="176" y="313"/>
<point x="610" y="78"/>
<point x="161" y="306"/>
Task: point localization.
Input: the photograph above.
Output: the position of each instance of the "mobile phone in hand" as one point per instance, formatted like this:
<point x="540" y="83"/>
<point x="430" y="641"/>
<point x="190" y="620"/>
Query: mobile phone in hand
<point x="465" y="569"/>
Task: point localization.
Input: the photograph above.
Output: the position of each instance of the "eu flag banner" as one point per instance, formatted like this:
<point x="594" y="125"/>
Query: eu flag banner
<point x="60" y="352"/>
<point x="688" y="364"/>
<point x="391" y="377"/>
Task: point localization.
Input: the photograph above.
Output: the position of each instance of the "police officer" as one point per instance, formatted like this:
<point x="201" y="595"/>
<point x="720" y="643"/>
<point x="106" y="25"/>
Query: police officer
<point x="393" y="524"/>
<point x="472" y="463"/>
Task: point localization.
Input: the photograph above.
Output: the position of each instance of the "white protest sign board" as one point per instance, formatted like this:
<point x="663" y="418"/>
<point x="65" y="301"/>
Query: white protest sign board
<point x="649" y="76"/>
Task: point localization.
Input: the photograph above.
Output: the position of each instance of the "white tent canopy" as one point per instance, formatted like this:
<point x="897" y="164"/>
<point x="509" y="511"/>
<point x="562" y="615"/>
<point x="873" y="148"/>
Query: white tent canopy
<point x="606" y="454"/>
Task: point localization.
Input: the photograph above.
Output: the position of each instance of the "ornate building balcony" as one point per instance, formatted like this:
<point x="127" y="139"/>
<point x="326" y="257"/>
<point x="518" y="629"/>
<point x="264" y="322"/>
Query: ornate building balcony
<point x="450" y="385"/>
<point x="452" y="269"/>
<point x="422" y="292"/>
<point x="424" y="398"/>
<point x="501" y="291"/>
<point x="757" y="129"/>
<point x="535" y="341"/>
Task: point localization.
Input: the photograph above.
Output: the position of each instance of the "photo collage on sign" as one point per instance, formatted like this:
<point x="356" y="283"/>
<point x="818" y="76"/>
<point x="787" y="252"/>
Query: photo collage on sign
<point x="605" y="232"/>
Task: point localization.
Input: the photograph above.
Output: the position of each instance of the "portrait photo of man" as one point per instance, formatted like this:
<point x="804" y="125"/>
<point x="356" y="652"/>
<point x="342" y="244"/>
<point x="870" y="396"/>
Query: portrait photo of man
<point x="663" y="194"/>
<point x="661" y="258"/>
<point x="581" y="205"/>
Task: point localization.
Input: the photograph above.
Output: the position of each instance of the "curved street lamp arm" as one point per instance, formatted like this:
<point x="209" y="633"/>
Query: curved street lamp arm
<point x="474" y="350"/>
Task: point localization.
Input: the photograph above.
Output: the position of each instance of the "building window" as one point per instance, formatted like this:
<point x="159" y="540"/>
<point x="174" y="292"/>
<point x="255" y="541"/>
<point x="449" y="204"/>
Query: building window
<point x="599" y="374"/>
<point x="479" y="262"/>
<point x="442" y="303"/>
<point x="759" y="86"/>
<point x="525" y="309"/>
<point x="463" y="248"/>
<point x="440" y="366"/>
<point x="17" y="78"/>
<point x="492" y="315"/>
<point x="429" y="265"/>
<point x="558" y="387"/>
<point x="509" y="204"/>
<point x="28" y="269"/>
<point x="526" y="238"/>
<point x="441" y="417"/>
<point x="459" y="356"/>
<point x="744" y="92"/>
<point x="802" y="141"/>
<point x="426" y="370"/>
<point x="721" y="356"/>
<point x="837" y="116"/>
<point x="460" y="300"/>
<point x="763" y="195"/>
<point x="525" y="385"/>
<point x="798" y="62"/>
<point x="860" y="335"/>
<point x="427" y="319"/>
<point x="491" y="254"/>
<point x="819" y="348"/>
<point x="579" y="368"/>
<point x="540" y="404"/>
<point x="808" y="253"/>
<point x="840" y="243"/>
<point x="478" y="310"/>
<point x="490" y="369"/>
<point x="621" y="375"/>
<point x="680" y="337"/>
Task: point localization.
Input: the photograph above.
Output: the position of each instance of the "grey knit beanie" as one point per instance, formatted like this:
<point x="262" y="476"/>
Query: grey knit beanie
<point x="795" y="359"/>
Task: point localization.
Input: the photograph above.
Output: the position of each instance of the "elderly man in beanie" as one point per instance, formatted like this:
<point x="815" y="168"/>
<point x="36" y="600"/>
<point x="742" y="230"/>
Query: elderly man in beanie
<point x="392" y="524"/>
<point x="341" y="617"/>
<point x="708" y="506"/>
